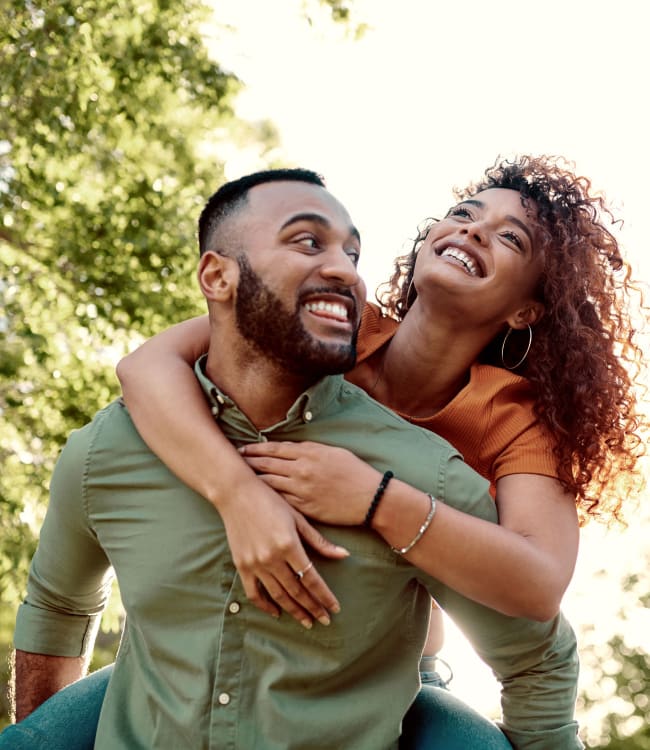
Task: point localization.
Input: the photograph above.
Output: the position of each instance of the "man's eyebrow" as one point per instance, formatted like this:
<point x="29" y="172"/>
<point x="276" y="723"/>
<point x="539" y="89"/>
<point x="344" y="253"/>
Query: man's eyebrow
<point x="317" y="219"/>
<point x="511" y="219"/>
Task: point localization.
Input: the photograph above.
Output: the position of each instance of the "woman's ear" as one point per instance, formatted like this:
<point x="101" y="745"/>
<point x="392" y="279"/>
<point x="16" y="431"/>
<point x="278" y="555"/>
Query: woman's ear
<point x="218" y="276"/>
<point x="527" y="315"/>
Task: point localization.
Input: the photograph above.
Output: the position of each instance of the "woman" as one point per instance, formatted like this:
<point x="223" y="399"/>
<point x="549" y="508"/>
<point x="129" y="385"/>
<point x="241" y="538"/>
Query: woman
<point x="506" y="331"/>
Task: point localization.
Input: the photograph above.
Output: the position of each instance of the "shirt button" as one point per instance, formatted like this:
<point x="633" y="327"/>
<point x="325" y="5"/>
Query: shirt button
<point x="308" y="416"/>
<point x="221" y="399"/>
<point x="233" y="608"/>
<point x="224" y="699"/>
<point x="215" y="411"/>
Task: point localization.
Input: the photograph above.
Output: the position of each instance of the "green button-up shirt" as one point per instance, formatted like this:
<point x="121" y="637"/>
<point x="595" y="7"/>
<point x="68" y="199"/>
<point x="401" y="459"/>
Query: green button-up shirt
<point x="200" y="667"/>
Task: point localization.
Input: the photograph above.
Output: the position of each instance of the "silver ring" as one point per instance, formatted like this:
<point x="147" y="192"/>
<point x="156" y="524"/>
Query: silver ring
<point x="301" y="573"/>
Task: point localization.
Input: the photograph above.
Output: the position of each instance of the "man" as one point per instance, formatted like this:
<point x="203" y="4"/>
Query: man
<point x="198" y="665"/>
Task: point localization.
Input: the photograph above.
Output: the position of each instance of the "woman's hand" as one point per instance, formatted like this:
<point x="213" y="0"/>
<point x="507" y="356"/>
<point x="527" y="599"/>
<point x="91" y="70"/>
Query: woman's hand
<point x="328" y="484"/>
<point x="265" y="536"/>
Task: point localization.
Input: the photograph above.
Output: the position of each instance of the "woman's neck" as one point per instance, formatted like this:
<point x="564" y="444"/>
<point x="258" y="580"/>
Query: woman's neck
<point x="423" y="367"/>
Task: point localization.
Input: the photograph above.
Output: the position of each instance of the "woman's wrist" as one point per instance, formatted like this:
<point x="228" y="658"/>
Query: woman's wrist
<point x="233" y="480"/>
<point x="379" y="493"/>
<point x="401" y="513"/>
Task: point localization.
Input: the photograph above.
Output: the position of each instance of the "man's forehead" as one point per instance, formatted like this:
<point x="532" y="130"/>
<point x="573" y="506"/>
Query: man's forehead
<point x="285" y="197"/>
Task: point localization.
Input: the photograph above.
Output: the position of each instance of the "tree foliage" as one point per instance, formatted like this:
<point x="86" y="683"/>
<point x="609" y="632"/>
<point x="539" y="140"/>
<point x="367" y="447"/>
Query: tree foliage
<point x="112" y="115"/>
<point x="340" y="11"/>
<point x="113" y="121"/>
<point x="621" y="676"/>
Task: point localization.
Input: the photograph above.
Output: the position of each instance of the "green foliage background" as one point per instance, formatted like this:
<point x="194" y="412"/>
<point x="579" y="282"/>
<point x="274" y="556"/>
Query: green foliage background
<point x="113" y="117"/>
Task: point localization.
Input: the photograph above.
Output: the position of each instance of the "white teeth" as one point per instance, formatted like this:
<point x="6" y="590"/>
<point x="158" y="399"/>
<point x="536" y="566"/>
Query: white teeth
<point x="463" y="257"/>
<point x="333" y="308"/>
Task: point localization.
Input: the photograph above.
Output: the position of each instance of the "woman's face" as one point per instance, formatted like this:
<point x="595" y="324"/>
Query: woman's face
<point x="483" y="255"/>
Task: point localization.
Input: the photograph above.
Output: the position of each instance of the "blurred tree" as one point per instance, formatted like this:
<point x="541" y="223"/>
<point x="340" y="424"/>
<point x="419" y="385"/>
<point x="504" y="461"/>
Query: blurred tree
<point x="111" y="116"/>
<point x="620" y="675"/>
<point x="340" y="11"/>
<point x="114" y="123"/>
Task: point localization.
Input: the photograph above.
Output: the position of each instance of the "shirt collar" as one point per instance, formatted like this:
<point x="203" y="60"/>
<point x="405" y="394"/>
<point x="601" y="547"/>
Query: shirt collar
<point x="309" y="406"/>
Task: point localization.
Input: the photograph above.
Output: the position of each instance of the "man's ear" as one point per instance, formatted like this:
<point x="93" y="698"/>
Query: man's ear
<point x="218" y="276"/>
<point x="527" y="315"/>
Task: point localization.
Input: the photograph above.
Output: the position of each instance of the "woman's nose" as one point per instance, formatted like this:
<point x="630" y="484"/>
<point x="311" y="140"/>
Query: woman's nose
<point x="476" y="231"/>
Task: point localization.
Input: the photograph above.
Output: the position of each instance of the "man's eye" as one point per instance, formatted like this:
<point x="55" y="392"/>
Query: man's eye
<point x="307" y="240"/>
<point x="354" y="255"/>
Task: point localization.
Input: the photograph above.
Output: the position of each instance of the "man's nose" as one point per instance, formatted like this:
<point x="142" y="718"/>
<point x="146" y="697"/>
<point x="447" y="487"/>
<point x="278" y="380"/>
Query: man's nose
<point x="340" y="266"/>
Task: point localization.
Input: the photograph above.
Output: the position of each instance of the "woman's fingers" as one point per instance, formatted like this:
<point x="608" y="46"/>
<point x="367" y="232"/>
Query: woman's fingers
<point x="281" y="449"/>
<point x="267" y="465"/>
<point x="317" y="541"/>
<point x="306" y="598"/>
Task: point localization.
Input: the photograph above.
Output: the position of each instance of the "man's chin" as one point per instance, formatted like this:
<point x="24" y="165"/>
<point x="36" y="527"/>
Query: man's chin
<point x="327" y="360"/>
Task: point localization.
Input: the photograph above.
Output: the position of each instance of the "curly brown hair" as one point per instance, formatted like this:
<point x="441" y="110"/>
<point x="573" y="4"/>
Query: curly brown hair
<point x="584" y="361"/>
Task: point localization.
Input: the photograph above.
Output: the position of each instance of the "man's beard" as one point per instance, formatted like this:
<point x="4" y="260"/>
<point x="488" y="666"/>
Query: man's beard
<point x="280" y="336"/>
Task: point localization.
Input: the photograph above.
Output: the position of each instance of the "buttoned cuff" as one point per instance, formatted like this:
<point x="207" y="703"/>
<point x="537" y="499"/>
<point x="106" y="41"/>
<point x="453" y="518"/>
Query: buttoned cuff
<point x="42" y="631"/>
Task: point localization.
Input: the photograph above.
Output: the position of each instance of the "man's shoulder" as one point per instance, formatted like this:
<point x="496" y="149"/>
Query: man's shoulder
<point x="357" y="401"/>
<point x="418" y="456"/>
<point x="110" y="428"/>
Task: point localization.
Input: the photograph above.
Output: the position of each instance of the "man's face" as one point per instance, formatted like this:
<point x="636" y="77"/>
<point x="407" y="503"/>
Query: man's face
<point x="299" y="295"/>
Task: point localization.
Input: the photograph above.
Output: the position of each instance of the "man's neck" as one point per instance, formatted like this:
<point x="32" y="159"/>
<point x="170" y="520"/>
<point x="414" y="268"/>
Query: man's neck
<point x="261" y="389"/>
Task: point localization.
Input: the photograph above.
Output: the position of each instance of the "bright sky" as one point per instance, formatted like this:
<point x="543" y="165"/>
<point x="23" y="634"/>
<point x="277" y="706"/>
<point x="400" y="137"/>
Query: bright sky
<point x="426" y="101"/>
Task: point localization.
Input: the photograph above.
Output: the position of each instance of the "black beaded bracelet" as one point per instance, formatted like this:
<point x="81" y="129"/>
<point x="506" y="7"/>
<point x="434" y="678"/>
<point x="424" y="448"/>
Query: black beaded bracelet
<point x="378" y="496"/>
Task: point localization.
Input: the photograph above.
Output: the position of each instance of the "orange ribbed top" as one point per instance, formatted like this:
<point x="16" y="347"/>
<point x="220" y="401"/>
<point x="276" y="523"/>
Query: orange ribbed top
<point x="490" y="421"/>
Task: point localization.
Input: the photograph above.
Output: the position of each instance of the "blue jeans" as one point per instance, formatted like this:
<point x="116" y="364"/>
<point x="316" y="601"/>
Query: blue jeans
<point x="68" y="721"/>
<point x="437" y="720"/>
<point x="429" y="672"/>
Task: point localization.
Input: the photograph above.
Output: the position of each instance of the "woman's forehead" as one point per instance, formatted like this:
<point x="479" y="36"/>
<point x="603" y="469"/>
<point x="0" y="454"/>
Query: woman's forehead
<point x="505" y="199"/>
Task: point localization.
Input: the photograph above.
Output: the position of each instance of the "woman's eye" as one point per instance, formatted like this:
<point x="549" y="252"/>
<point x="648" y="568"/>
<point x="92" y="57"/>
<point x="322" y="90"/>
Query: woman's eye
<point x="514" y="239"/>
<point x="460" y="211"/>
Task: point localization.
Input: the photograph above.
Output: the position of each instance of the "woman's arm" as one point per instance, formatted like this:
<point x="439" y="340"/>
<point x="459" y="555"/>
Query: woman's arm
<point x="520" y="567"/>
<point x="170" y="411"/>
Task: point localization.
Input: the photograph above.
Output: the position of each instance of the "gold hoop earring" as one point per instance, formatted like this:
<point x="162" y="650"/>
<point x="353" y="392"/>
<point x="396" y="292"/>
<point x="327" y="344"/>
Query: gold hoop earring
<point x="503" y="348"/>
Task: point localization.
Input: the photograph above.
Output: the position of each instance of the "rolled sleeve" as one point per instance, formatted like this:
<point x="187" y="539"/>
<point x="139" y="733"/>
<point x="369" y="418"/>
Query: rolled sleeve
<point x="535" y="662"/>
<point x="537" y="666"/>
<point x="42" y="631"/>
<point x="70" y="576"/>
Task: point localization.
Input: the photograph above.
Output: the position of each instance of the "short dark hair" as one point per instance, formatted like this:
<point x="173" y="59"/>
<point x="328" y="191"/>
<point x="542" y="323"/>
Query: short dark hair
<point x="234" y="193"/>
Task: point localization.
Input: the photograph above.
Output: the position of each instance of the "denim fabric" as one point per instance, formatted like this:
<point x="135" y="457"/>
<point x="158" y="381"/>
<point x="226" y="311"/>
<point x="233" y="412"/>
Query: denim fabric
<point x="429" y="674"/>
<point x="438" y="720"/>
<point x="67" y="721"/>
